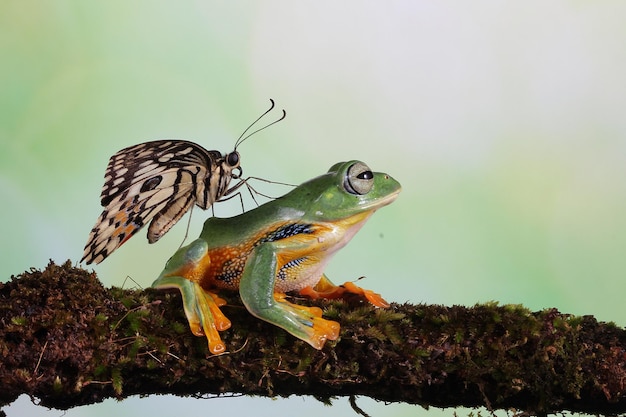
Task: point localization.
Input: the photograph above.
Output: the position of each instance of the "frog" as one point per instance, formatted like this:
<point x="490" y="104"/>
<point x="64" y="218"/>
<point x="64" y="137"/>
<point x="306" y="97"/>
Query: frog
<point x="278" y="248"/>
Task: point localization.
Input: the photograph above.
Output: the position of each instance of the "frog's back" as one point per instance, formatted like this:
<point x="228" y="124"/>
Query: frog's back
<point x="219" y="232"/>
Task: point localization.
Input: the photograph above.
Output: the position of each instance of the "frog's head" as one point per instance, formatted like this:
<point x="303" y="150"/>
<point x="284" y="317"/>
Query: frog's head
<point x="347" y="189"/>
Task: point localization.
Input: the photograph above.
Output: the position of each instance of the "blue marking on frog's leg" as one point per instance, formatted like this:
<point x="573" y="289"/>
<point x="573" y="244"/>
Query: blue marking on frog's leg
<point x="257" y="293"/>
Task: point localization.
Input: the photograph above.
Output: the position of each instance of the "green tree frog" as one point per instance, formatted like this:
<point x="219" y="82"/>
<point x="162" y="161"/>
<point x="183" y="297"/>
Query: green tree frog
<point x="279" y="247"/>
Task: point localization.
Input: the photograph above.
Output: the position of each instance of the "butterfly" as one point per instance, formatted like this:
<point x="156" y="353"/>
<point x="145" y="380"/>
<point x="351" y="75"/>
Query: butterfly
<point x="157" y="182"/>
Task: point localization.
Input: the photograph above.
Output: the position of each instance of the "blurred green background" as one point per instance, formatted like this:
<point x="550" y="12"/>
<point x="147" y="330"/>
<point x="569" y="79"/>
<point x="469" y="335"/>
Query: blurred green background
<point x="504" y="121"/>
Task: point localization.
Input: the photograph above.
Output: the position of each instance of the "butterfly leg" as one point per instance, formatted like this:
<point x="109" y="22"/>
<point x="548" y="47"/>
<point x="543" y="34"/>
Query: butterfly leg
<point x="326" y="289"/>
<point x="257" y="293"/>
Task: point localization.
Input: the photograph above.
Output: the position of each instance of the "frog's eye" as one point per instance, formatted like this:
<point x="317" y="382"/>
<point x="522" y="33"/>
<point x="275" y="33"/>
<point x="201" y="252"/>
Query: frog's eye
<point x="359" y="179"/>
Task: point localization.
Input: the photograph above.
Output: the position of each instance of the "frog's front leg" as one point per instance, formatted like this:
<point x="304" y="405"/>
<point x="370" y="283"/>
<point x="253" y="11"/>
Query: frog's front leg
<point x="326" y="289"/>
<point x="202" y="308"/>
<point x="257" y="293"/>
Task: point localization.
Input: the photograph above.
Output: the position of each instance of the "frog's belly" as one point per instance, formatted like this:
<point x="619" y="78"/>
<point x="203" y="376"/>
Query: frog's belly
<point x="298" y="274"/>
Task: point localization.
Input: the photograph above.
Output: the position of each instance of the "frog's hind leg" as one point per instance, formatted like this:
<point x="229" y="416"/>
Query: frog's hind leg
<point x="257" y="293"/>
<point x="316" y="329"/>
<point x="202" y="309"/>
<point x="326" y="289"/>
<point x="313" y="311"/>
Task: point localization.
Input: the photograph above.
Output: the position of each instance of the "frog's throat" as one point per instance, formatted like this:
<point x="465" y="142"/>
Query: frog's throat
<point x="350" y="225"/>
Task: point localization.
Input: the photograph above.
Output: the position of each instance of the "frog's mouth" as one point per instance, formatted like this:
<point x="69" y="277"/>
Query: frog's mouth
<point x="367" y="208"/>
<point x="380" y="202"/>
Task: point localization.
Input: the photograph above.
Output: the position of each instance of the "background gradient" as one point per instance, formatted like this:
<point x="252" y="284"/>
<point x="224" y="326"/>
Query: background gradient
<point x="504" y="122"/>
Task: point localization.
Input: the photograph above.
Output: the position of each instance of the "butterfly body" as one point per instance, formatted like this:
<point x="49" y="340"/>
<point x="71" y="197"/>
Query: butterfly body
<point x="157" y="182"/>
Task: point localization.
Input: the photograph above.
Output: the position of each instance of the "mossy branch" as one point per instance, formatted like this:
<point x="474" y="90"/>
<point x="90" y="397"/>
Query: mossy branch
<point x="69" y="341"/>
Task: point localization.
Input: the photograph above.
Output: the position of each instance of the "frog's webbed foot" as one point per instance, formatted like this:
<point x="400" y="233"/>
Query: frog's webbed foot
<point x="202" y="309"/>
<point x="305" y="323"/>
<point x="326" y="289"/>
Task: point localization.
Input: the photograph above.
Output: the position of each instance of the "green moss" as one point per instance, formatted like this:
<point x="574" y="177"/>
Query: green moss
<point x="137" y="344"/>
<point x="135" y="319"/>
<point x="180" y="327"/>
<point x="57" y="385"/>
<point x="331" y="311"/>
<point x="101" y="318"/>
<point x="505" y="356"/>
<point x="19" y="321"/>
<point x="100" y="370"/>
<point x="362" y="314"/>
<point x="386" y="315"/>
<point x="117" y="380"/>
<point x="375" y="333"/>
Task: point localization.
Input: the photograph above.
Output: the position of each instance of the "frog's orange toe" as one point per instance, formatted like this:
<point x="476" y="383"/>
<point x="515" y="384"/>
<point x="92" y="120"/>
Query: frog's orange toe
<point x="195" y="326"/>
<point x="326" y="289"/>
<point x="212" y="320"/>
<point x="311" y="293"/>
<point x="211" y="327"/>
<point x="374" y="298"/>
<point x="323" y="330"/>
<point x="217" y="347"/>
<point x="329" y="328"/>
<point x="313" y="311"/>
<point x="214" y="303"/>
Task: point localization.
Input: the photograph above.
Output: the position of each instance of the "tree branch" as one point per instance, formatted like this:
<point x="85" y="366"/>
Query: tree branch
<point x="68" y="341"/>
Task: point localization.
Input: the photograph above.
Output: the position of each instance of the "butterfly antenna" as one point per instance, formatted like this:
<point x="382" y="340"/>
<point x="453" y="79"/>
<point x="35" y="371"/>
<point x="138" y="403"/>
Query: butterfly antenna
<point x="243" y="136"/>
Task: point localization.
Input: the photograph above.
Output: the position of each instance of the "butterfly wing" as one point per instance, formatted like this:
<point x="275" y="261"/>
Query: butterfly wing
<point x="177" y="206"/>
<point x="135" y="164"/>
<point x="153" y="182"/>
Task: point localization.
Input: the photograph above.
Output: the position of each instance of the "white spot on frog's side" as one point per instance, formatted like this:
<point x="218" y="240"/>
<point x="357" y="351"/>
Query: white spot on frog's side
<point x="320" y="239"/>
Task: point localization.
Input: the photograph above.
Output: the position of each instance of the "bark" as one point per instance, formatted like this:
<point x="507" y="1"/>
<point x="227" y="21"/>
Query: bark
<point x="68" y="341"/>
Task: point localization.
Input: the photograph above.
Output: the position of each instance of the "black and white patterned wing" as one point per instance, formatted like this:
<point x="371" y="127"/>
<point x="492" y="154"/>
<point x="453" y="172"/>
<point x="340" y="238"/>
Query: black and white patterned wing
<point x="154" y="182"/>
